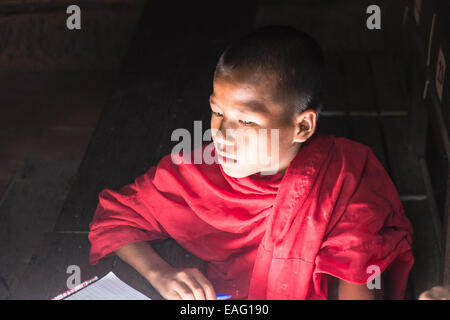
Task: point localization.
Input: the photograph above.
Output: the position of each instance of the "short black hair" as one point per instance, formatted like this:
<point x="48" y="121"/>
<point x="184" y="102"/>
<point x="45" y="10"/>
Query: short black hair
<point x="292" y="56"/>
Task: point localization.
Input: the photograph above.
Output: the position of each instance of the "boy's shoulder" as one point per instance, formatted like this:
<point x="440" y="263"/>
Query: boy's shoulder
<point x="356" y="156"/>
<point x="352" y="154"/>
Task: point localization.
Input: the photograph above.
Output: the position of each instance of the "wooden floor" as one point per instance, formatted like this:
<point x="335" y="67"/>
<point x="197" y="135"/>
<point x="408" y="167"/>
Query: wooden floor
<point x="164" y="85"/>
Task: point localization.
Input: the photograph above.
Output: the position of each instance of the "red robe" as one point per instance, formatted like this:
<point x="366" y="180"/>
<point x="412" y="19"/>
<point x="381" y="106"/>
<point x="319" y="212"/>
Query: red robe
<point x="334" y="211"/>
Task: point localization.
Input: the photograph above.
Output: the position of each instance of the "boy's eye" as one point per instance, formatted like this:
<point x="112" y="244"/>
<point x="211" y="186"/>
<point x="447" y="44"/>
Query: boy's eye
<point x="246" y="123"/>
<point x="218" y="114"/>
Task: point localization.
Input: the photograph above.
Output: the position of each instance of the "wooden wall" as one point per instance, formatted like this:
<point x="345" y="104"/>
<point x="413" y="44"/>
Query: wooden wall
<point x="34" y="36"/>
<point x="427" y="35"/>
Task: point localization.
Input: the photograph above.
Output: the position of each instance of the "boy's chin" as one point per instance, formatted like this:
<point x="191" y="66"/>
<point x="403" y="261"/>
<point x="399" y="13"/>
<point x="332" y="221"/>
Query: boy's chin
<point x="236" y="172"/>
<point x="240" y="172"/>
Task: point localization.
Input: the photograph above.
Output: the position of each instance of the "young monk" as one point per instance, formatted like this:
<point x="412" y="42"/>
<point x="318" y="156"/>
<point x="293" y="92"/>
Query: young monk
<point x="311" y="216"/>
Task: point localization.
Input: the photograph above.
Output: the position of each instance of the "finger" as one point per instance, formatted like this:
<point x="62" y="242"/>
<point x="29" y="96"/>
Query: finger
<point x="206" y="285"/>
<point x="439" y="293"/>
<point x="183" y="290"/>
<point x="194" y="285"/>
<point x="173" y="296"/>
<point x="425" y="296"/>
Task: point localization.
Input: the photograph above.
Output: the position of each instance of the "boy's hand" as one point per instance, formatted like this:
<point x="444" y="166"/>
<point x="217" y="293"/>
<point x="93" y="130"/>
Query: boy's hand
<point x="436" y="293"/>
<point x="183" y="284"/>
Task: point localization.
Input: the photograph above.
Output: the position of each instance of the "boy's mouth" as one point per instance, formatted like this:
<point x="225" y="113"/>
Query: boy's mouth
<point x="225" y="158"/>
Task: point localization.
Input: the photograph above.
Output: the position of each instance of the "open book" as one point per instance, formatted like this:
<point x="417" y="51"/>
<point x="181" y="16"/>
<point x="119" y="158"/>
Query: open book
<point x="108" y="288"/>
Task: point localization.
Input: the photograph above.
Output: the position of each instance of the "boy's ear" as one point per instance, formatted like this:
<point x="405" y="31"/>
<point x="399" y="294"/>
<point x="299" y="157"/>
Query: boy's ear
<point x="305" y="125"/>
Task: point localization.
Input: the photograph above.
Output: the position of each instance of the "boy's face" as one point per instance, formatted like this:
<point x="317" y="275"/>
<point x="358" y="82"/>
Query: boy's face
<point x="251" y="133"/>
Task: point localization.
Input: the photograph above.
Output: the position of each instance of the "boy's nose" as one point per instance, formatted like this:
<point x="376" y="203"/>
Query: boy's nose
<point x="224" y="133"/>
<point x="223" y="139"/>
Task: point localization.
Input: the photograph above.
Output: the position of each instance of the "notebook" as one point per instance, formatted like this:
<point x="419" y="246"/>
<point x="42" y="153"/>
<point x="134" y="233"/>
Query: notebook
<point x="110" y="287"/>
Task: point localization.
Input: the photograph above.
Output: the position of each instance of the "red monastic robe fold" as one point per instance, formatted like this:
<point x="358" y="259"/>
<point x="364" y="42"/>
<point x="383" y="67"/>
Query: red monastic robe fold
<point x="334" y="211"/>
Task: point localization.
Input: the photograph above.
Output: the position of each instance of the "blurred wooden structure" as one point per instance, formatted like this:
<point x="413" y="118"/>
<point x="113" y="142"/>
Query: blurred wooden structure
<point x="427" y="48"/>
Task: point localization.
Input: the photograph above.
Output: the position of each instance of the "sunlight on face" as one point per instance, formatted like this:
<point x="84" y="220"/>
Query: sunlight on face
<point x="251" y="133"/>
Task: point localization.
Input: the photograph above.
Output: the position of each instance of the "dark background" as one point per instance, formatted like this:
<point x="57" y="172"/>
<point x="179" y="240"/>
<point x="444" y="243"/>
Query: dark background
<point x="83" y="110"/>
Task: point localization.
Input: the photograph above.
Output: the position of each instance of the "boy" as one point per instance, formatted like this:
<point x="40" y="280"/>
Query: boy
<point x="283" y="213"/>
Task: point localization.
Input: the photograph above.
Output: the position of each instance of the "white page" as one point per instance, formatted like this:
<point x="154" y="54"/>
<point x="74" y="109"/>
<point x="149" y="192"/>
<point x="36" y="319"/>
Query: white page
<point x="108" y="288"/>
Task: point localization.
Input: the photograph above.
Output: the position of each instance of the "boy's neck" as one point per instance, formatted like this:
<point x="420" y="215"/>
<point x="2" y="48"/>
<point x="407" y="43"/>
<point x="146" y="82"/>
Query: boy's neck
<point x="283" y="171"/>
